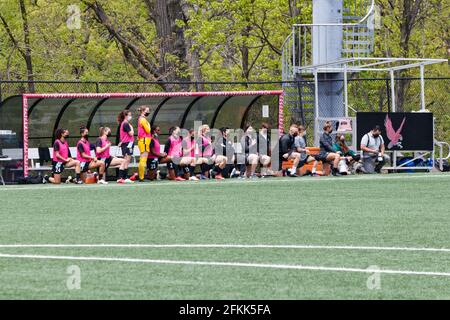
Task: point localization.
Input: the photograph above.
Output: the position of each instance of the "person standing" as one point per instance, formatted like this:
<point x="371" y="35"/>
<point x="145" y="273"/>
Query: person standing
<point x="126" y="142"/>
<point x="144" y="140"/>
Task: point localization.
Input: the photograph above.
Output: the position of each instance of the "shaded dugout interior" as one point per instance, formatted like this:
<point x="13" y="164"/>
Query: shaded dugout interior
<point x="45" y="115"/>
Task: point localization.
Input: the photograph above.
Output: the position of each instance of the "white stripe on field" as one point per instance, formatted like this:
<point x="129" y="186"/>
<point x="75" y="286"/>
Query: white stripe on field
<point x="228" y="264"/>
<point x="231" y="181"/>
<point x="228" y="246"/>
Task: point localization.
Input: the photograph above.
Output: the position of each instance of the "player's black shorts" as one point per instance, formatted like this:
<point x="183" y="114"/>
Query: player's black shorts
<point x="84" y="166"/>
<point x="305" y="161"/>
<point x="322" y="156"/>
<point x="172" y="166"/>
<point x="57" y="167"/>
<point x="127" y="148"/>
<point x="152" y="164"/>
<point x="107" y="162"/>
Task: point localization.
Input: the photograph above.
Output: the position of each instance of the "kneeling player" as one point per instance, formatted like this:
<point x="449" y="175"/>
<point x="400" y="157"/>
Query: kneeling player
<point x="207" y="158"/>
<point x="87" y="162"/>
<point x="174" y="149"/>
<point x="62" y="159"/>
<point x="249" y="143"/>
<point x="102" y="151"/>
<point x="189" y="147"/>
<point x="155" y="156"/>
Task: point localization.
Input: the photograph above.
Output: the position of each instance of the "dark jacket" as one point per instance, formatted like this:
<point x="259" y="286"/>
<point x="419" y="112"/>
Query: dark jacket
<point x="326" y="143"/>
<point x="286" y="144"/>
<point x="225" y="147"/>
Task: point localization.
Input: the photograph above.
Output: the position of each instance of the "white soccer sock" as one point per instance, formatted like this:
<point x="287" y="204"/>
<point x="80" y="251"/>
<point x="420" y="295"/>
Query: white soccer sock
<point x="314" y="169"/>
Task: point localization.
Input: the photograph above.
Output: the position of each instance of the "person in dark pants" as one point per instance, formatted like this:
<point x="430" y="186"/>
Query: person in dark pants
<point x="224" y="147"/>
<point x="287" y="149"/>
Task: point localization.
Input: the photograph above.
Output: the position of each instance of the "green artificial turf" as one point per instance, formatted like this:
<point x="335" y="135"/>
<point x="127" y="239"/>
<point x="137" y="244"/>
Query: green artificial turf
<point x="384" y="211"/>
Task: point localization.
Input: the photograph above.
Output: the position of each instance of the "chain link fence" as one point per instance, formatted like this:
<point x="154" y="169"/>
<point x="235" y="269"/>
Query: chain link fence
<point x="367" y="94"/>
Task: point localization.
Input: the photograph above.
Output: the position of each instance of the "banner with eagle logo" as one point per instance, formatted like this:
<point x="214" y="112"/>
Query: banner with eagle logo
<point x="407" y="131"/>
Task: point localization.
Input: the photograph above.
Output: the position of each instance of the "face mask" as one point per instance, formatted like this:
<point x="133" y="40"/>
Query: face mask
<point x="129" y="118"/>
<point x="66" y="136"/>
<point x="296" y="134"/>
<point x="147" y="114"/>
<point x="86" y="136"/>
<point x="108" y="134"/>
<point x="376" y="135"/>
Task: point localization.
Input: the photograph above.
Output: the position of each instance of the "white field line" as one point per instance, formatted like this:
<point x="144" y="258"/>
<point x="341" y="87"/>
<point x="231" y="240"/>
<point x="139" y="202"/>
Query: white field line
<point x="228" y="246"/>
<point x="226" y="264"/>
<point x="233" y="181"/>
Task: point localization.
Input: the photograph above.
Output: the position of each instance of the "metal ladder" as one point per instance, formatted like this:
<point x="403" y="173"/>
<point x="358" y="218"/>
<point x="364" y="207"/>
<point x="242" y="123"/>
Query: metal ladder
<point x="358" y="41"/>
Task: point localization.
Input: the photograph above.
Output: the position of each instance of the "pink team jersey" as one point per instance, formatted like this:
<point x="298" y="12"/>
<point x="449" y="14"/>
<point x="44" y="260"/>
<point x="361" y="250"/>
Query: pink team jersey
<point x="86" y="149"/>
<point x="63" y="148"/>
<point x="188" y="144"/>
<point x="176" y="148"/>
<point x="206" y="149"/>
<point x="105" y="154"/>
<point x="124" y="136"/>
<point x="154" y="145"/>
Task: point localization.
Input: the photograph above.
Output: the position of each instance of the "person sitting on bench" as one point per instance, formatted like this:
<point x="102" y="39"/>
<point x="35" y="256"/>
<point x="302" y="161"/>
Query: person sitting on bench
<point x="352" y="159"/>
<point x="287" y="150"/>
<point x="327" y="154"/>
<point x="305" y="157"/>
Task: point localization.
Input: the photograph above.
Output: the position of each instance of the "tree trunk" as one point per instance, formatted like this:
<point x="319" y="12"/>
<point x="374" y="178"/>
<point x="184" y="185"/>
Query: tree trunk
<point x="412" y="11"/>
<point x="170" y="62"/>
<point x="172" y="40"/>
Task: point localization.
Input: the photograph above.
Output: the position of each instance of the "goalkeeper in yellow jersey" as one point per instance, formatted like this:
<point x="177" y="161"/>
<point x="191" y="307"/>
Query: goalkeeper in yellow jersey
<point x="144" y="139"/>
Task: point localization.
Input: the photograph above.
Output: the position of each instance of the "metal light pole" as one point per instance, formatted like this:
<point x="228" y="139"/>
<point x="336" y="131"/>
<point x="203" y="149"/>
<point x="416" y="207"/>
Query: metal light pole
<point x="327" y="47"/>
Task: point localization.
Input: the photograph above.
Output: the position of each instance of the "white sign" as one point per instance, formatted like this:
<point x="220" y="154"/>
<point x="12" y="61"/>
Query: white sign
<point x="265" y="111"/>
